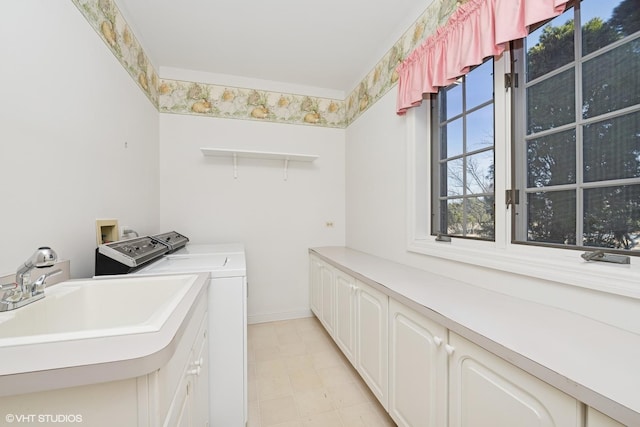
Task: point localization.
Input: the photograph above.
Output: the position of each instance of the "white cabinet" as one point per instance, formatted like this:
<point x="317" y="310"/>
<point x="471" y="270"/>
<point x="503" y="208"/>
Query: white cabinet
<point x="322" y="298"/>
<point x="424" y="374"/>
<point x="177" y="394"/>
<point x="327" y="284"/>
<point x="315" y="280"/>
<point x="180" y="410"/>
<point x="345" y="330"/>
<point x="199" y="371"/>
<point x="485" y="390"/>
<point x="355" y="315"/>
<point x="372" y="339"/>
<point x="190" y="403"/>
<point x="598" y="419"/>
<point x="417" y="369"/>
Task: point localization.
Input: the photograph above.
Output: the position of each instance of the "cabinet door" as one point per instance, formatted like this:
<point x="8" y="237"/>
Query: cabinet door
<point x="315" y="283"/>
<point x="485" y="390"/>
<point x="372" y="339"/>
<point x="201" y="379"/>
<point x="345" y="335"/>
<point x="180" y="409"/>
<point x="328" y="317"/>
<point x="417" y="369"/>
<point x="598" y="419"/>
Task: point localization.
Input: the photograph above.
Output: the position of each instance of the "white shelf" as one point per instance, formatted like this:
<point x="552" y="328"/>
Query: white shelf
<point x="252" y="154"/>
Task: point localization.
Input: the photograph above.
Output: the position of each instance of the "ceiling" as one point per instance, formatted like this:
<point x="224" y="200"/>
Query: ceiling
<point x="328" y="44"/>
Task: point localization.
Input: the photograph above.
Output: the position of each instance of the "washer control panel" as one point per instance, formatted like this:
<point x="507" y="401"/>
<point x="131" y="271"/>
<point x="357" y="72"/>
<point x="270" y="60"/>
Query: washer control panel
<point x="134" y="252"/>
<point x="172" y="239"/>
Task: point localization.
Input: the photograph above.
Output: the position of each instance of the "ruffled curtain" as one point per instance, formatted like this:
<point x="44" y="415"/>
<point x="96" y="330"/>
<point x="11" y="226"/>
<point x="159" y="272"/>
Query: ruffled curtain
<point x="476" y="30"/>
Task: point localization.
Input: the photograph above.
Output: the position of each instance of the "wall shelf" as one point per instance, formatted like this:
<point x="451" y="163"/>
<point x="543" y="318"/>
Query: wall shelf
<point x="251" y="154"/>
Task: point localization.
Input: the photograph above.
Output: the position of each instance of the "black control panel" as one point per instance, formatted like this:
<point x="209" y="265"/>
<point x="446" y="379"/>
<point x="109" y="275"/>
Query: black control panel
<point x="127" y="256"/>
<point x="172" y="239"/>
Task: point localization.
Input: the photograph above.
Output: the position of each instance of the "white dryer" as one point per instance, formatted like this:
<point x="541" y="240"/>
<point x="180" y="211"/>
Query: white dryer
<point x="228" y="402"/>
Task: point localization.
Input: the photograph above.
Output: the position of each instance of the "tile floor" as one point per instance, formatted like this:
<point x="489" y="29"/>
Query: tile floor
<point x="299" y="378"/>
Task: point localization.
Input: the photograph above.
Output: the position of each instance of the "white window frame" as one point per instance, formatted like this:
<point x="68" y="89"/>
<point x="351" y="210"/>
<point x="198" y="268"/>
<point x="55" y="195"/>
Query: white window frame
<point x="558" y="265"/>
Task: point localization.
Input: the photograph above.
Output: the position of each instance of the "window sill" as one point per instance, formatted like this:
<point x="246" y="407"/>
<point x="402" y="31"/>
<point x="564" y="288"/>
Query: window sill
<point x="556" y="265"/>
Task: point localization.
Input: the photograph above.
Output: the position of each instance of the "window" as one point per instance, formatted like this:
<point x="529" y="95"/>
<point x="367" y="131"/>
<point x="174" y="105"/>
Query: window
<point x="577" y="140"/>
<point x="567" y="138"/>
<point x="462" y="117"/>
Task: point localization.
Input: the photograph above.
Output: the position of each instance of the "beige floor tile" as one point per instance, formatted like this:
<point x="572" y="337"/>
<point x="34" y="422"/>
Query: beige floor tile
<point x="366" y="391"/>
<point x="267" y="353"/>
<point x="298" y="377"/>
<point x="262" y="345"/>
<point x="289" y="337"/>
<point x="297" y="363"/>
<point x="260" y="328"/>
<point x="278" y="411"/>
<point x="344" y="395"/>
<point x="270" y="368"/>
<point x="335" y="375"/>
<point x="296" y="423"/>
<point x="313" y="334"/>
<point x="305" y="380"/>
<point x="252" y="389"/>
<point x="273" y="387"/>
<point x="307" y="324"/>
<point x="253" y="419"/>
<point x="351" y="371"/>
<point x="325" y="419"/>
<point x="284" y="326"/>
<point x="326" y="359"/>
<point x="387" y="421"/>
<point x="292" y="350"/>
<point x="259" y="336"/>
<point x="313" y="402"/>
<point x="363" y="415"/>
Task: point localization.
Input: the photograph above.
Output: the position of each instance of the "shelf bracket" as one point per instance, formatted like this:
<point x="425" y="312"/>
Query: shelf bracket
<point x="286" y="168"/>
<point x="235" y="166"/>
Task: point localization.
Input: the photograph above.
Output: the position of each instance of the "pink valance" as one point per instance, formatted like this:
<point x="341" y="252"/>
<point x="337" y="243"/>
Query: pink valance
<point x="476" y="30"/>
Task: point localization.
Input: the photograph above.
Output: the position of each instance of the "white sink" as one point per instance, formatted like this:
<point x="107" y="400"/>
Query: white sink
<point x="95" y="307"/>
<point x="97" y="321"/>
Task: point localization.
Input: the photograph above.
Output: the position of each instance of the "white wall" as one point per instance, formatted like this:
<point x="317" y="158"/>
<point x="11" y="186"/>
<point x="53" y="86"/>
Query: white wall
<point x="376" y="221"/>
<point x="67" y="109"/>
<point x="277" y="220"/>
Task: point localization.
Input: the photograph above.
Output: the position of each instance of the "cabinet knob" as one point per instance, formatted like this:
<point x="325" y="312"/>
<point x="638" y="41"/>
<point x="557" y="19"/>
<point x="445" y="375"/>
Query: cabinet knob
<point x="195" y="371"/>
<point x="198" y="362"/>
<point x="450" y="349"/>
<point x="437" y="341"/>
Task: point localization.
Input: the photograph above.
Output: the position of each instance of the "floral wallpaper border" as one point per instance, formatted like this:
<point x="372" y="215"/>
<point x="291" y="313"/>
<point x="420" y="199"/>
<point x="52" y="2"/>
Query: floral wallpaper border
<point x="202" y="99"/>
<point x="105" y="17"/>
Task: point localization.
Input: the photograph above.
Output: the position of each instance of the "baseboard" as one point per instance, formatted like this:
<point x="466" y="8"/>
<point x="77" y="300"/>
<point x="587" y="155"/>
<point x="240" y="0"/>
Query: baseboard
<point x="273" y="317"/>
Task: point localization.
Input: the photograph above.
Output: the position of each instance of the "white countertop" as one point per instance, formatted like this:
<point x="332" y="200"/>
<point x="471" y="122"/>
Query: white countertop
<point x="594" y="362"/>
<point x="71" y="358"/>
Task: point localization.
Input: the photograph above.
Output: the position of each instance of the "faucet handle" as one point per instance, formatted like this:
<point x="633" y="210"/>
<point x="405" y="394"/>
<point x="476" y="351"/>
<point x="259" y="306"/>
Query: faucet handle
<point x="8" y="286"/>
<point x="39" y="285"/>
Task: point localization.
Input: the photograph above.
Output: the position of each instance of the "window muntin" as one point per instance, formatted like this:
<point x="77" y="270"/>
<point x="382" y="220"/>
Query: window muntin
<point x="578" y="138"/>
<point x="462" y="138"/>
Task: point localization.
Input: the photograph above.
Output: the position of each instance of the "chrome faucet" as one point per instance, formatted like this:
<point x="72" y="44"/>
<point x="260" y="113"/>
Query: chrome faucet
<point x="23" y="292"/>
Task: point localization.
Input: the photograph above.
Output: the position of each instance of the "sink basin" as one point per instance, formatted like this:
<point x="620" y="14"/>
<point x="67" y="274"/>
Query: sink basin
<point x="95" y="307"/>
<point x="131" y="321"/>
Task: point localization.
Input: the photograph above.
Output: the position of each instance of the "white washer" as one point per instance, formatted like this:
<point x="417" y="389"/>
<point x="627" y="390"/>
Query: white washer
<point x="228" y="396"/>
